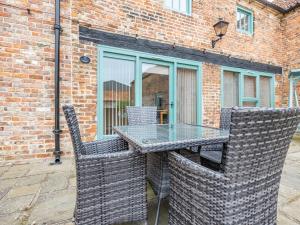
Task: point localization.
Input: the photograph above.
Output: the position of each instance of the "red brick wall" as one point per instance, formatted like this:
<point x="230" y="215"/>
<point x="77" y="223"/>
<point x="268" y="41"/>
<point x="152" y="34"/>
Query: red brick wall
<point x="292" y="39"/>
<point x="27" y="59"/>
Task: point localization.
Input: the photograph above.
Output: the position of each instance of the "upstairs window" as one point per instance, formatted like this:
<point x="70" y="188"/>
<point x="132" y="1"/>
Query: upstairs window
<point x="244" y="20"/>
<point x="183" y="6"/>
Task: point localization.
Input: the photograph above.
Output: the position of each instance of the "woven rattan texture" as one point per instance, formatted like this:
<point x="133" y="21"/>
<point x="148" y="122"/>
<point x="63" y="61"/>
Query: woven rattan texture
<point x="111" y="180"/>
<point x="213" y="152"/>
<point x="245" y="191"/>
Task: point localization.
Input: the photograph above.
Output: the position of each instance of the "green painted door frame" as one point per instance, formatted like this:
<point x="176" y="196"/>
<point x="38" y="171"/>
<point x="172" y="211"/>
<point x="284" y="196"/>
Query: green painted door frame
<point x="139" y="58"/>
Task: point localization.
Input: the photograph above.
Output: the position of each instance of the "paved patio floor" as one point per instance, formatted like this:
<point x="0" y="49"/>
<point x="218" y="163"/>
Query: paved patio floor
<point x="36" y="193"/>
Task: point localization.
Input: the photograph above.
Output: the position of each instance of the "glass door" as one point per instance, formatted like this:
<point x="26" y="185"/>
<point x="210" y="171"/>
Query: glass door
<point x="156" y="88"/>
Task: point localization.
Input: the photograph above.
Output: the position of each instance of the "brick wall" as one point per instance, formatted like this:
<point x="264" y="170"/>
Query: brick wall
<point x="291" y="45"/>
<point x="292" y="39"/>
<point x="27" y="59"/>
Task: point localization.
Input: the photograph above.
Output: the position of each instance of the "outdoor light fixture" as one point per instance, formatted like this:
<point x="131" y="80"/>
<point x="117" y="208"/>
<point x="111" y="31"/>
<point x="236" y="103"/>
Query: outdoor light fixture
<point x="85" y="59"/>
<point x="220" y="30"/>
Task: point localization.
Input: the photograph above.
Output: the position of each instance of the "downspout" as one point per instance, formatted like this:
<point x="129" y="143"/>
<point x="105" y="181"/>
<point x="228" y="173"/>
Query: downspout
<point x="57" y="130"/>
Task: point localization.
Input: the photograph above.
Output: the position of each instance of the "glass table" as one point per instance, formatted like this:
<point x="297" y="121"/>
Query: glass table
<point x="157" y="137"/>
<point x="164" y="137"/>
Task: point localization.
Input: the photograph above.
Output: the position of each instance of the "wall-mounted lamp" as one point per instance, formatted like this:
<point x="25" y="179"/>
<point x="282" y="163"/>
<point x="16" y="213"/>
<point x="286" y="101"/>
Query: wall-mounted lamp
<point x="220" y="30"/>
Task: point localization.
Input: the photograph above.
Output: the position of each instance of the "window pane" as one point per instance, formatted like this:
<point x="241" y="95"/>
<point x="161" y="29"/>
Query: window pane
<point x="250" y="86"/>
<point x="183" y="5"/>
<point x="247" y="21"/>
<point x="155" y="89"/>
<point x="186" y="102"/>
<point x="169" y="3"/>
<point x="238" y="20"/>
<point x="265" y="91"/>
<point x="176" y="4"/>
<point x="230" y="89"/>
<point x="118" y="92"/>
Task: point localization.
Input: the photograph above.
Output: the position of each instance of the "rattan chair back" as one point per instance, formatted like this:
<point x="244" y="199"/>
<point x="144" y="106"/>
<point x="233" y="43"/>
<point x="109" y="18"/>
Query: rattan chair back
<point x="258" y="143"/>
<point x="139" y="115"/>
<point x="73" y="125"/>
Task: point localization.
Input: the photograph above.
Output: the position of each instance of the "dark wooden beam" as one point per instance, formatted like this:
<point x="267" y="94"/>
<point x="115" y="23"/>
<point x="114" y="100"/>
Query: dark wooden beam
<point x="157" y="48"/>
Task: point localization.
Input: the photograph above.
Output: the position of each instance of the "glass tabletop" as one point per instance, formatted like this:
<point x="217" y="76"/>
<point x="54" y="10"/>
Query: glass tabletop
<point x="157" y="137"/>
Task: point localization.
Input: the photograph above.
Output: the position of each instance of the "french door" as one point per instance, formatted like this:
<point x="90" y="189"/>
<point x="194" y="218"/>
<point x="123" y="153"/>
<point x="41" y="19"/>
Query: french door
<point x="129" y="78"/>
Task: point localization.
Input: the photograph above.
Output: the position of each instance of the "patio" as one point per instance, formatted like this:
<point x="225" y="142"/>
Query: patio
<point x="36" y="193"/>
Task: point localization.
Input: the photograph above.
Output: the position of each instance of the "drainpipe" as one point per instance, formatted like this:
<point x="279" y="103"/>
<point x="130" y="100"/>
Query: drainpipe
<point x="57" y="130"/>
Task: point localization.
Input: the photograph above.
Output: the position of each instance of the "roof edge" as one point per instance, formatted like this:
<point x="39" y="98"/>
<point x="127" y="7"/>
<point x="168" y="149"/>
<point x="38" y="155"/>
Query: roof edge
<point x="278" y="8"/>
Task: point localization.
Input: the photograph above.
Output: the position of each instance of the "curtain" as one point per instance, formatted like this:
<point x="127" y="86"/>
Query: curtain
<point x="230" y="89"/>
<point x="186" y="102"/>
<point x="250" y="86"/>
<point x="265" y="91"/>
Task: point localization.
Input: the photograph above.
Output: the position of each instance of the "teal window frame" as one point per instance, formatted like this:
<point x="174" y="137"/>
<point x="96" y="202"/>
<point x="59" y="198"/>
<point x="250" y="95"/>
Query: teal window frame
<point x="139" y="58"/>
<point x="242" y="73"/>
<point x="294" y="80"/>
<point x="188" y="7"/>
<point x="248" y="12"/>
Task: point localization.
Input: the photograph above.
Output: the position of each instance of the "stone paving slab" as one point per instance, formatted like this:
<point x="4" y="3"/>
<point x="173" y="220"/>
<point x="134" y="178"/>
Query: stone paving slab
<point x="36" y="193"/>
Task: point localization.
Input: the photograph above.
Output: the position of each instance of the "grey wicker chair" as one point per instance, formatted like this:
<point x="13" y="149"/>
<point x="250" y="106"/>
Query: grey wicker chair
<point x="111" y="180"/>
<point x="213" y="153"/>
<point x="245" y="190"/>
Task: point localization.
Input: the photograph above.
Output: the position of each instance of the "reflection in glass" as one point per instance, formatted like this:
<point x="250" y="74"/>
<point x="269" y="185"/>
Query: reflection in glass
<point x="118" y="92"/>
<point x="155" y="89"/>
<point x="243" y="21"/>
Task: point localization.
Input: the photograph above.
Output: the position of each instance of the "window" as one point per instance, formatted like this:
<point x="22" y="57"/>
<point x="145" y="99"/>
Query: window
<point x="247" y="88"/>
<point x="183" y="6"/>
<point x="244" y="20"/>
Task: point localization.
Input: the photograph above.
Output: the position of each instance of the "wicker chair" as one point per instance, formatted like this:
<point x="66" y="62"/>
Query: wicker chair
<point x="111" y="181"/>
<point x="245" y="190"/>
<point x="212" y="154"/>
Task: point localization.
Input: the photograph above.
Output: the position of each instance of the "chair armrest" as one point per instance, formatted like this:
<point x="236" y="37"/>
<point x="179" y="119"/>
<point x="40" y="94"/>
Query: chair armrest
<point x="108" y="156"/>
<point x="106" y="146"/>
<point x="195" y="168"/>
<point x="196" y="191"/>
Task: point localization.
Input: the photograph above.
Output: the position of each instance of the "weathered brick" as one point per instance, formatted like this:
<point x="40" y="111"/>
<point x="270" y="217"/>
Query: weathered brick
<point x="27" y="59"/>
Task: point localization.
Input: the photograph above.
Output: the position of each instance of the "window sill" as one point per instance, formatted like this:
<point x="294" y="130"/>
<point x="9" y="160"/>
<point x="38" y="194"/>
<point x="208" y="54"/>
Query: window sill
<point x="177" y="11"/>
<point x="251" y="34"/>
